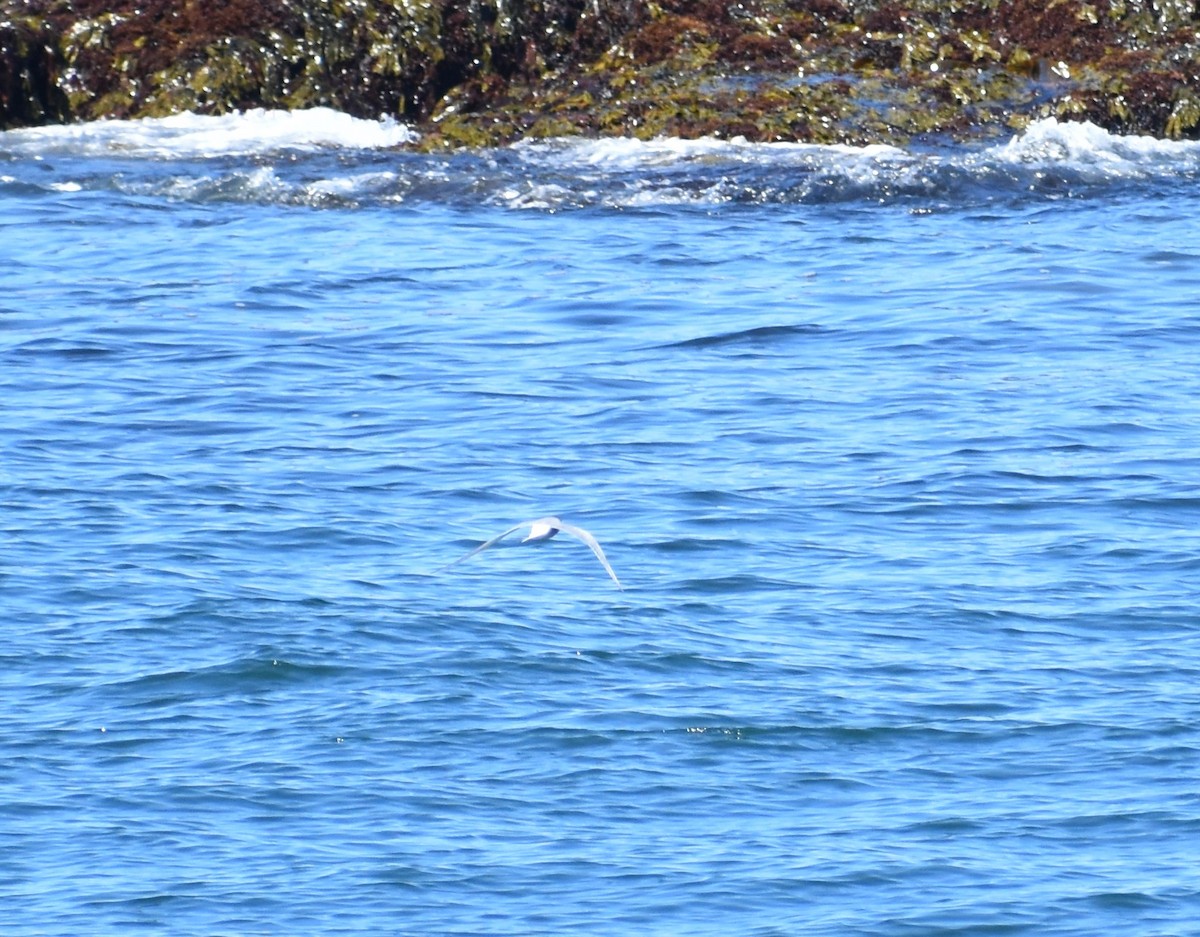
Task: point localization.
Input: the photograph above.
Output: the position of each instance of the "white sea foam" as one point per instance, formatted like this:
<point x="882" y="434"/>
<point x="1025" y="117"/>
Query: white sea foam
<point x="1048" y="140"/>
<point x="635" y="173"/>
<point x="264" y="131"/>
<point x="266" y="185"/>
<point x="631" y="173"/>
<point x="567" y="173"/>
<point x="623" y="153"/>
<point x="184" y="136"/>
<point x="1084" y="145"/>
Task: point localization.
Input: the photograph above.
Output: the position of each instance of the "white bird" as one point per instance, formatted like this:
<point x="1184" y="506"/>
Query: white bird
<point x="543" y="529"/>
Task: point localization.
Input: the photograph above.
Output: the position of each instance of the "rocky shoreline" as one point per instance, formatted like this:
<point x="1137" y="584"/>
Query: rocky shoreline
<point x="488" y="72"/>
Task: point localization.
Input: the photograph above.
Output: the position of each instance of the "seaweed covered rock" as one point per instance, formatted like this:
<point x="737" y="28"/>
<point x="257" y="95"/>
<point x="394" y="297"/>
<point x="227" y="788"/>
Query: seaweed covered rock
<point x="485" y="72"/>
<point x="862" y="71"/>
<point x="30" y="72"/>
<point x="366" y="57"/>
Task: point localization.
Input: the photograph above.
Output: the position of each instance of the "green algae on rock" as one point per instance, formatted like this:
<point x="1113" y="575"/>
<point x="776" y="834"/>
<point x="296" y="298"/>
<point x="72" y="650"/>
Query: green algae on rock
<point x="134" y="58"/>
<point x="31" y="79"/>
<point x="487" y="72"/>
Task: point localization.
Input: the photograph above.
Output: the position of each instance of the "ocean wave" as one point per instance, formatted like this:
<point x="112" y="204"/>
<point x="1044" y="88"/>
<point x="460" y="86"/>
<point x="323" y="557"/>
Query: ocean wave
<point x="325" y="159"/>
<point x="190" y="136"/>
<point x="619" y="153"/>
<point x="268" y="185"/>
<point x="1049" y="157"/>
<point x="1083" y="145"/>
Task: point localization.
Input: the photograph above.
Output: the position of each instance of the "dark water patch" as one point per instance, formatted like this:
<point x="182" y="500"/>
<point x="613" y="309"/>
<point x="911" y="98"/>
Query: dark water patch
<point x="689" y="545"/>
<point x="766" y="336"/>
<point x="247" y="675"/>
<point x="1170" y="257"/>
<point x="738" y="583"/>
<point x="598" y="320"/>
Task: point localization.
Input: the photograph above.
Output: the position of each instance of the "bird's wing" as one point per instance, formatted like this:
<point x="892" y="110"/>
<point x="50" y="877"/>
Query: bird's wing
<point x="485" y="545"/>
<point x="580" y="534"/>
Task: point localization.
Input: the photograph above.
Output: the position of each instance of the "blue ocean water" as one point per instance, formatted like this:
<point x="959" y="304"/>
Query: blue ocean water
<point x="895" y="453"/>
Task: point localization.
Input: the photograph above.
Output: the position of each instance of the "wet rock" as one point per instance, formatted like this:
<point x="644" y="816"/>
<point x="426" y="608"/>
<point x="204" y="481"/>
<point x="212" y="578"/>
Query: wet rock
<point x="484" y="72"/>
<point x="30" y="79"/>
<point x="367" y="57"/>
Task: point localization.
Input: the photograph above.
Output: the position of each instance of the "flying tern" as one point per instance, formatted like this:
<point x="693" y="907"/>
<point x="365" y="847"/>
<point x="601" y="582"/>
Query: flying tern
<point x="543" y="529"/>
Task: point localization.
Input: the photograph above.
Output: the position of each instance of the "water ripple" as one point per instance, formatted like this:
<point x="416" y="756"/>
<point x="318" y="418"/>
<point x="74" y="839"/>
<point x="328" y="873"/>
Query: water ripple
<point x="899" y="477"/>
